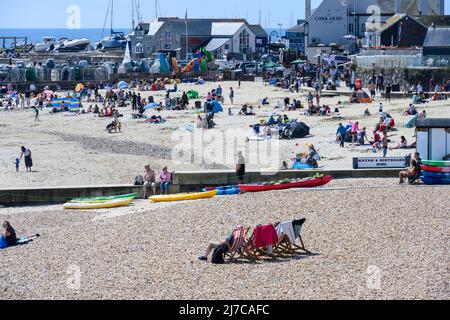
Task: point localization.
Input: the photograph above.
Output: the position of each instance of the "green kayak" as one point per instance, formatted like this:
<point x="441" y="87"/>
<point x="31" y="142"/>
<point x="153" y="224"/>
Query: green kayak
<point x="105" y="199"/>
<point x="436" y="163"/>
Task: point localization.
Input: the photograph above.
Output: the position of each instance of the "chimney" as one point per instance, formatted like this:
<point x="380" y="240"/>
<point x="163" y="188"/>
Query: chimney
<point x="307" y="9"/>
<point x="398" y="6"/>
<point x="423" y="7"/>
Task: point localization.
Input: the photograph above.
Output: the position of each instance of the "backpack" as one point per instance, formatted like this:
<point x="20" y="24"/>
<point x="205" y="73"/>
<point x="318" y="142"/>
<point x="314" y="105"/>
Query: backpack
<point x="217" y="256"/>
<point x="139" y="181"/>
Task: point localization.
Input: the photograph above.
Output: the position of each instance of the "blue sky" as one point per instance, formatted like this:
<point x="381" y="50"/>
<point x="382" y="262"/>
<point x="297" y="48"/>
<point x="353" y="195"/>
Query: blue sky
<point x="52" y="13"/>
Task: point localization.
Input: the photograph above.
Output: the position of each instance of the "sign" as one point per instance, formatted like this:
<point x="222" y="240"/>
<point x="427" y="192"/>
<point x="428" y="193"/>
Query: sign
<point x="379" y="162"/>
<point x="329" y="19"/>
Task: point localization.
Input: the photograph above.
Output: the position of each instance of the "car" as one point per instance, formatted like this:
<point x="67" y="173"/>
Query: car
<point x="248" y="67"/>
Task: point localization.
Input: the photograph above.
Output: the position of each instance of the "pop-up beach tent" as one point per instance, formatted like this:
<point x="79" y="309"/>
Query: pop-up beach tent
<point x="122" y="85"/>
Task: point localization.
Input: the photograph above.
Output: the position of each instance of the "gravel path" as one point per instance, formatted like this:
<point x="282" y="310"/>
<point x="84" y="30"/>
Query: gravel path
<point x="149" y="251"/>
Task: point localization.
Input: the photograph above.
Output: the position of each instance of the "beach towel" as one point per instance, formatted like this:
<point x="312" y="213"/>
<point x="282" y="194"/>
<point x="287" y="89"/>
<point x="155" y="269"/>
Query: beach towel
<point x="3" y="243"/>
<point x="265" y="236"/>
<point x="286" y="228"/>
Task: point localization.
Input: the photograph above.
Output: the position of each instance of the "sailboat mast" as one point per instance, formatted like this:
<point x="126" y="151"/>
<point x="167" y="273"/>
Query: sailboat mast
<point x="112" y="15"/>
<point x="132" y="13"/>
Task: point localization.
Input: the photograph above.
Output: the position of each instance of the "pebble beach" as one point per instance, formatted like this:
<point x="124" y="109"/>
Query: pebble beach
<point x="370" y="238"/>
<point x="368" y="242"/>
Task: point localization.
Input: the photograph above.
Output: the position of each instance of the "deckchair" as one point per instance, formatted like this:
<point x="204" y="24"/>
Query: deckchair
<point x="284" y="245"/>
<point x="298" y="224"/>
<point x="250" y="251"/>
<point x="239" y="236"/>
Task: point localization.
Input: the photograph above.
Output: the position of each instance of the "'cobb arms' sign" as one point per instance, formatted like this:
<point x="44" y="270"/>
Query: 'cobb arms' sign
<point x="329" y="19"/>
<point x="379" y="162"/>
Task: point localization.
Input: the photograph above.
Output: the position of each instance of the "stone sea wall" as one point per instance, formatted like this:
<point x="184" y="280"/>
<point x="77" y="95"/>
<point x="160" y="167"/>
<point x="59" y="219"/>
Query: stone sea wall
<point x="404" y="77"/>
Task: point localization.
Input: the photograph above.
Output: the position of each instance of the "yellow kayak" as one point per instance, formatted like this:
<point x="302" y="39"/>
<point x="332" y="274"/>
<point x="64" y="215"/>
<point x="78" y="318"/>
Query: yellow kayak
<point x="97" y="205"/>
<point x="184" y="196"/>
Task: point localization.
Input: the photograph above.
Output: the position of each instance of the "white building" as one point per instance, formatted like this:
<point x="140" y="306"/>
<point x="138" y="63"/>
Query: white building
<point x="334" y="19"/>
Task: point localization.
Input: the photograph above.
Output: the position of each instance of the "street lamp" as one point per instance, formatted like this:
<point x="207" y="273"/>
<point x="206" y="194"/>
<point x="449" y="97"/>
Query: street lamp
<point x="280" y="25"/>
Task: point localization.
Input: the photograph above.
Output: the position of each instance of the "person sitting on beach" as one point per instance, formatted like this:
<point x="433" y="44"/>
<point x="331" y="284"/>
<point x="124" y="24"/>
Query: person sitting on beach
<point x="165" y="177"/>
<point x="362" y="136"/>
<point x="376" y="143"/>
<point x="8" y="234"/>
<point x="156" y="119"/>
<point x="403" y="144"/>
<point x="149" y="180"/>
<point x="354" y="98"/>
<point x="414" y="171"/>
<point x="265" y="101"/>
<point x="412" y="111"/>
<point x="423" y="115"/>
<point x="227" y="242"/>
<point x="367" y="112"/>
<point x="114" y="126"/>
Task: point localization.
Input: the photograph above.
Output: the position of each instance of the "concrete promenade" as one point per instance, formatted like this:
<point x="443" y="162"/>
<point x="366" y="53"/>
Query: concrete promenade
<point x="186" y="181"/>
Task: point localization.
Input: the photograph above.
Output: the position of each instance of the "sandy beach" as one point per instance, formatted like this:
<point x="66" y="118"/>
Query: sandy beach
<point x="77" y="150"/>
<point x="149" y="251"/>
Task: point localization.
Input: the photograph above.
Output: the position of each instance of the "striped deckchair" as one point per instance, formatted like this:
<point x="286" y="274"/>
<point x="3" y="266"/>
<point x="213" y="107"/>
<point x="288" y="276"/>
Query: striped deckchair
<point x="298" y="224"/>
<point x="239" y="236"/>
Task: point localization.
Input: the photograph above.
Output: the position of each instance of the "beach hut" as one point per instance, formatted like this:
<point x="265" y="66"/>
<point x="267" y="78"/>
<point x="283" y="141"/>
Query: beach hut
<point x="433" y="139"/>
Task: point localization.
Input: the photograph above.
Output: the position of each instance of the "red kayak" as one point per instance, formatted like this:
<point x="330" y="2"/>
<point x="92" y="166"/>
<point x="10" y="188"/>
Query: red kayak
<point x="435" y="169"/>
<point x="309" y="183"/>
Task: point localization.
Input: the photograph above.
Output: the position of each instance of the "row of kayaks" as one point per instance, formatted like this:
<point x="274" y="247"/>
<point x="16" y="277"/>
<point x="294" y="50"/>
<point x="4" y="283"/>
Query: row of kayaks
<point x="125" y="200"/>
<point x="435" y="172"/>
<point x="101" y="202"/>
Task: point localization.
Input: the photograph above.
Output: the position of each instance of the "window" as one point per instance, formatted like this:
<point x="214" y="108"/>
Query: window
<point x="167" y="46"/>
<point x="227" y="47"/>
<point x="244" y="42"/>
<point x="139" y="48"/>
<point x="168" y="36"/>
<point x="350" y="28"/>
<point x="363" y="27"/>
<point x="259" y="42"/>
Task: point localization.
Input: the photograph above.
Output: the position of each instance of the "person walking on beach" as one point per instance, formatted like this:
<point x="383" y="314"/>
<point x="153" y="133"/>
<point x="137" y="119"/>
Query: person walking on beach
<point x="240" y="168"/>
<point x="354" y="132"/>
<point x="36" y="114"/>
<point x="385" y="144"/>
<point x="341" y="132"/>
<point x="134" y="101"/>
<point x="28" y="160"/>
<point x="231" y="95"/>
<point x="17" y="163"/>
<point x="388" y="92"/>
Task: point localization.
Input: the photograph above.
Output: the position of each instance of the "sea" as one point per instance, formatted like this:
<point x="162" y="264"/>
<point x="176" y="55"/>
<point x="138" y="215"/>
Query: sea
<point x="95" y="35"/>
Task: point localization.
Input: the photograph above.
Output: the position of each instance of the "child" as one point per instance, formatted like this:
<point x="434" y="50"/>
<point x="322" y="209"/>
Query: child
<point x="17" y="164"/>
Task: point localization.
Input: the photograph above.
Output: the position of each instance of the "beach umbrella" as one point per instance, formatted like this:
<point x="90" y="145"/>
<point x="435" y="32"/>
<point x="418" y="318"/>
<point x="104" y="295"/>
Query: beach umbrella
<point x="151" y="106"/>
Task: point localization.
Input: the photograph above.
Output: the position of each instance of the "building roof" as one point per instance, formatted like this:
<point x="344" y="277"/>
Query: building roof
<point x="297" y="28"/>
<point x="216" y="43"/>
<point x="437" y="37"/>
<point x="225" y="28"/>
<point x="258" y="30"/>
<point x="433" y="123"/>
<point x="438" y="21"/>
<point x="394" y="20"/>
<point x="202" y="27"/>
